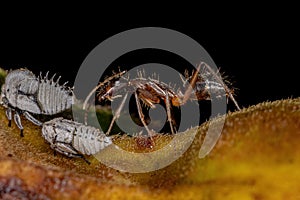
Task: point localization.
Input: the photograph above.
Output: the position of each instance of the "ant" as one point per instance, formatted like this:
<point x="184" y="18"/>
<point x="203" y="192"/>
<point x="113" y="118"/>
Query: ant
<point x="203" y="82"/>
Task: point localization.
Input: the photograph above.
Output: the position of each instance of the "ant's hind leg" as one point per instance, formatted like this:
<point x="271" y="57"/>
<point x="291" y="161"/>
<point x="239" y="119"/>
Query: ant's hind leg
<point x="18" y="122"/>
<point x="168" y="107"/>
<point x="191" y="86"/>
<point x="8" y="113"/>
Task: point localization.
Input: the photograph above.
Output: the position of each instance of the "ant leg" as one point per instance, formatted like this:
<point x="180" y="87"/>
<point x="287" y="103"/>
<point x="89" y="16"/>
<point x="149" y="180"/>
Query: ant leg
<point x="32" y="119"/>
<point x="117" y="114"/>
<point x="233" y="100"/>
<point x="189" y="90"/>
<point x="141" y="115"/>
<point x="18" y="122"/>
<point x="168" y="107"/>
<point x="86" y="113"/>
<point x="8" y="113"/>
<point x="100" y="85"/>
<point x="85" y="105"/>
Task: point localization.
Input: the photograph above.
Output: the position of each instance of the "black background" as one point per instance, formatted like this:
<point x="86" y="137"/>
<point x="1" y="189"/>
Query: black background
<point x="259" y="51"/>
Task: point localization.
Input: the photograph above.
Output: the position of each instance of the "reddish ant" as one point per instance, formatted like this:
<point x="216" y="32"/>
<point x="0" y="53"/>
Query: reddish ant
<point x="204" y="82"/>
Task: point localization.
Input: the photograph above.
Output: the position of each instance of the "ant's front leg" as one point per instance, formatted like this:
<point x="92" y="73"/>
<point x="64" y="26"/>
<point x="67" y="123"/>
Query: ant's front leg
<point x="117" y="114"/>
